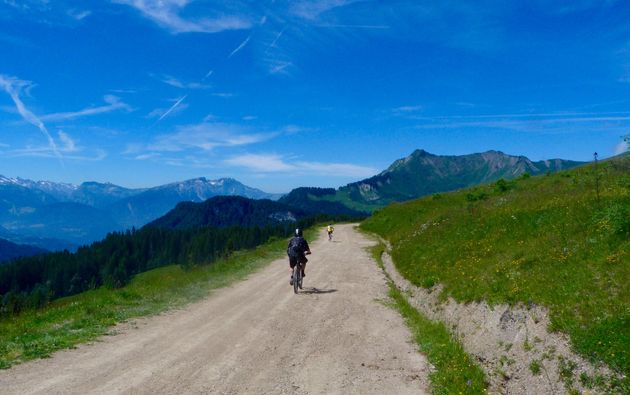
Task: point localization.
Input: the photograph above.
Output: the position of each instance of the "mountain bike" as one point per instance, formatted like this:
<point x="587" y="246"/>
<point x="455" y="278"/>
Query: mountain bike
<point x="329" y="236"/>
<point x="296" y="277"/>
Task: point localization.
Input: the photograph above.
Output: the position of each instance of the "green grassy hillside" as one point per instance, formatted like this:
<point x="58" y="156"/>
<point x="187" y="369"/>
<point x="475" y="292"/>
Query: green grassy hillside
<point x="545" y="240"/>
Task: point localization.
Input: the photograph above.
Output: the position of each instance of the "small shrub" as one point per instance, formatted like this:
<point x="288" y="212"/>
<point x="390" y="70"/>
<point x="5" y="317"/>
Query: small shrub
<point x="473" y="197"/>
<point x="503" y="186"/>
<point x="534" y="366"/>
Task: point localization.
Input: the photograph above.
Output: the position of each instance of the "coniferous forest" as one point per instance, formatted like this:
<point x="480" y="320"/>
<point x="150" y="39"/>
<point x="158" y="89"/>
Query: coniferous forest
<point x="32" y="282"/>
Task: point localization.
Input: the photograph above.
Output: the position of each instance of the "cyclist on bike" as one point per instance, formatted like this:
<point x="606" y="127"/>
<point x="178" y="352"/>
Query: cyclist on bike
<point x="296" y="250"/>
<point x="330" y="231"/>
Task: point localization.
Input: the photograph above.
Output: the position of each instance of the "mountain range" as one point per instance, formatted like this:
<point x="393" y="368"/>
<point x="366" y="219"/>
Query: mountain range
<point x="423" y="173"/>
<point x="9" y="250"/>
<point x="57" y="215"/>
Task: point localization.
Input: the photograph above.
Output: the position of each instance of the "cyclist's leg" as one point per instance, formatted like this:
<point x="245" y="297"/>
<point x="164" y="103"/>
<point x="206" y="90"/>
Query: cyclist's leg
<point x="292" y="263"/>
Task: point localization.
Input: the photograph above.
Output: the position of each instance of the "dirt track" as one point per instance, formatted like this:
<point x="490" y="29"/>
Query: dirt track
<point x="254" y="337"/>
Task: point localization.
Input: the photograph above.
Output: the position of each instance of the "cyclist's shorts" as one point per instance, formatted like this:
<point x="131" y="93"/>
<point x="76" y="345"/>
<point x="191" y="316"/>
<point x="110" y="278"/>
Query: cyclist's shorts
<point x="294" y="261"/>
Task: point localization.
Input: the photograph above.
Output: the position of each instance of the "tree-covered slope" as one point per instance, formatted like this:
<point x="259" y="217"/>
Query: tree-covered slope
<point x="560" y="240"/>
<point x="223" y="211"/>
<point x="320" y="201"/>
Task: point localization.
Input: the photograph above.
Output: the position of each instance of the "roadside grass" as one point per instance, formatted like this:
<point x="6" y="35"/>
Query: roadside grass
<point x="81" y="318"/>
<point x="455" y="372"/>
<point x="545" y="240"/>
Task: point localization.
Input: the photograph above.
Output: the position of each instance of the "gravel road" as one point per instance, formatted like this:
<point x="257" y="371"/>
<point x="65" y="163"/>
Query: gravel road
<point x="256" y="337"/>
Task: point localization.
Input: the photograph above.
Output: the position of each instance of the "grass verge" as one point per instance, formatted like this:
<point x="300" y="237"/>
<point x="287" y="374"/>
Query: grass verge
<point x="561" y="241"/>
<point x="455" y="372"/>
<point x="84" y="317"/>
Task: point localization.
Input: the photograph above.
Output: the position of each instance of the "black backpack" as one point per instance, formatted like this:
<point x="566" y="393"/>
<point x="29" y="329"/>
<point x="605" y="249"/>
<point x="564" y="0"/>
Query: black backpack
<point x="294" y="250"/>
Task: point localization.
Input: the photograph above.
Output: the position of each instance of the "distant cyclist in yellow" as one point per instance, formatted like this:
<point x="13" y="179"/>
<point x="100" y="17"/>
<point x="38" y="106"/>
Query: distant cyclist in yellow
<point x="330" y="231"/>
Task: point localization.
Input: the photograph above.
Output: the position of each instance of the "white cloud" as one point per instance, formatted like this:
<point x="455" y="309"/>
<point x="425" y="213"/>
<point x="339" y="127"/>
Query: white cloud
<point x="261" y="163"/>
<point x="68" y="143"/>
<point x="172" y="81"/>
<point x="568" y="7"/>
<point x="69" y="149"/>
<point x="531" y="123"/>
<point x="68" y="146"/>
<point x="279" y="67"/>
<point x="209" y="118"/>
<point x="98" y="154"/>
<point x="311" y="9"/>
<point x="272" y="163"/>
<point x="166" y="14"/>
<point x="79" y="14"/>
<point x="207" y="136"/>
<point x="124" y="91"/>
<point x="407" y="109"/>
<point x="14" y="86"/>
<point x="337" y="169"/>
<point x="225" y="95"/>
<point x="147" y="156"/>
<point x="622" y="147"/>
<point x="113" y="103"/>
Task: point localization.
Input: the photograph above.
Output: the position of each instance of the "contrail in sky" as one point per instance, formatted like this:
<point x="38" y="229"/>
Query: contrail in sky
<point x="275" y="40"/>
<point x="12" y="86"/>
<point x="172" y="108"/>
<point x="243" y="44"/>
<point x="209" y="73"/>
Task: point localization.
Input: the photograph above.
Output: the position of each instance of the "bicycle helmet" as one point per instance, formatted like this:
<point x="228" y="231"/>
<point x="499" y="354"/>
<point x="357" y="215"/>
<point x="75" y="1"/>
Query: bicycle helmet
<point x="298" y="232"/>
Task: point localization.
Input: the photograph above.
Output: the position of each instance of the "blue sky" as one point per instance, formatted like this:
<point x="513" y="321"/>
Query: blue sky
<point x="280" y="94"/>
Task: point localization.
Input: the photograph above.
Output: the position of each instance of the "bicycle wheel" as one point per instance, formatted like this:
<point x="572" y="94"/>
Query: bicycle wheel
<point x="297" y="277"/>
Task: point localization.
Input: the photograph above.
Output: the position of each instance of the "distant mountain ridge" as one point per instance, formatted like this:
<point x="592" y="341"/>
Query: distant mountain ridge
<point x="423" y="173"/>
<point x="152" y="203"/>
<point x="9" y="250"/>
<point x="59" y="214"/>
